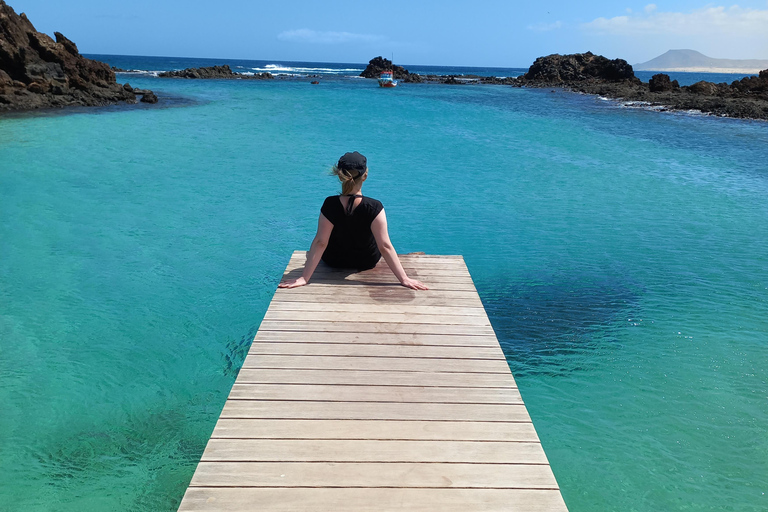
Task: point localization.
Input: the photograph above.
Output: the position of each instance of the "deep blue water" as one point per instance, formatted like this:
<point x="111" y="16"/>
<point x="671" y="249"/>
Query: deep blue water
<point x="620" y="254"/>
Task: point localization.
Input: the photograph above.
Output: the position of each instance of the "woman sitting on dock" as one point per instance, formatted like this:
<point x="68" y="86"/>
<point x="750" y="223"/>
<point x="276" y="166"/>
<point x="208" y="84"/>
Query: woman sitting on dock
<point x="352" y="229"/>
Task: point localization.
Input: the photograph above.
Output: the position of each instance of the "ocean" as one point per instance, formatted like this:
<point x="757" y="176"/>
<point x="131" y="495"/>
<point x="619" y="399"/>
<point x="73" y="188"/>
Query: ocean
<point x="621" y="255"/>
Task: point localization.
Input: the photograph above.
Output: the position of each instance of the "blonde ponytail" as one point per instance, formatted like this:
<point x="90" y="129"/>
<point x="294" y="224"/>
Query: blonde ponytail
<point x="348" y="183"/>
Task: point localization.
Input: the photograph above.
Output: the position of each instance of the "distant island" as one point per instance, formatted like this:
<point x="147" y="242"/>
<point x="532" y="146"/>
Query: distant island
<point x="696" y="62"/>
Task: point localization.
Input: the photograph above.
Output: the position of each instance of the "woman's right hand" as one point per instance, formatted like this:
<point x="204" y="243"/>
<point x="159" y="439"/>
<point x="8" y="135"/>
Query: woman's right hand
<point x="414" y="284"/>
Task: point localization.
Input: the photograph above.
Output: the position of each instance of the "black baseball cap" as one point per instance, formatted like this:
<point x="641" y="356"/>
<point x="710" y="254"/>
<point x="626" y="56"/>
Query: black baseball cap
<point x="353" y="162"/>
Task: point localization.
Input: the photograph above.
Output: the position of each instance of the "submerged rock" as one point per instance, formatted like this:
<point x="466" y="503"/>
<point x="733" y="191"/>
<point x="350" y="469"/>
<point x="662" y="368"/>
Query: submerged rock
<point x="149" y="97"/>
<point x="38" y="72"/>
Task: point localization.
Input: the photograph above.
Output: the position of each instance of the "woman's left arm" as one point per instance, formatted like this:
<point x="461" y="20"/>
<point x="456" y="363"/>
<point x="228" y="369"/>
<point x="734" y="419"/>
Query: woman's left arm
<point x="381" y="234"/>
<point x="316" y="250"/>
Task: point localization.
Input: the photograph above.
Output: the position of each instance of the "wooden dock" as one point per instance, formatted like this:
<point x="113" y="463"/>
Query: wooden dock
<point x="361" y="395"/>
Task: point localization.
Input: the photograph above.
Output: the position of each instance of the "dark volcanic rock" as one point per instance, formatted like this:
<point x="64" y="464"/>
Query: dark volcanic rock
<point x="703" y="88"/>
<point x="379" y="64"/>
<point x="38" y="72"/>
<point x="558" y="69"/>
<point x="661" y="83"/>
<point x="213" y="72"/>
<point x="413" y="78"/>
<point x="495" y="80"/>
<point x="756" y="86"/>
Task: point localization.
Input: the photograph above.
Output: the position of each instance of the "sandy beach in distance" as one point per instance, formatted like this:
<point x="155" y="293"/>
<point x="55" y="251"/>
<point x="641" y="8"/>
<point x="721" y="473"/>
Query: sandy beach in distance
<point x="706" y="70"/>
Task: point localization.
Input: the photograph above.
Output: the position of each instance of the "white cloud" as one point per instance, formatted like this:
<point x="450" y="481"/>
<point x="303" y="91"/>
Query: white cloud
<point x="304" y="35"/>
<point x="711" y="21"/>
<point x="545" y="27"/>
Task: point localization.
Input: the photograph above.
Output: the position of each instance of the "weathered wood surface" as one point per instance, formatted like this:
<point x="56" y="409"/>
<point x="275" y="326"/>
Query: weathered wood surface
<point x="360" y="395"/>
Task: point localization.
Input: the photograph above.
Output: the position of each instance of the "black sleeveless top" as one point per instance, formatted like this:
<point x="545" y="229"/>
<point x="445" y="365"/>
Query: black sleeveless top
<point x="352" y="244"/>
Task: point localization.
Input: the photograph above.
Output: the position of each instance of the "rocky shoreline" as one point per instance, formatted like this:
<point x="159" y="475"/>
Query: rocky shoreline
<point x="615" y="79"/>
<point x="37" y="72"/>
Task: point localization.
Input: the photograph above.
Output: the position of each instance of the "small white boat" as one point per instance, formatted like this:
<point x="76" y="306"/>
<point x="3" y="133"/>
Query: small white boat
<point x="386" y="79"/>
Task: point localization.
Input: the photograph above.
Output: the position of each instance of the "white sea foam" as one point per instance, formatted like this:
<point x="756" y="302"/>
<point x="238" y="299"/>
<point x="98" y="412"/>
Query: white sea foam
<point x="142" y="72"/>
<point x="280" y="69"/>
<point x="645" y="105"/>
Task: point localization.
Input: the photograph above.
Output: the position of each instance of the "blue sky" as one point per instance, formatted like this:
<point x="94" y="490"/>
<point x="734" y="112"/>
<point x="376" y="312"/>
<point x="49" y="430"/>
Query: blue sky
<point x="479" y="33"/>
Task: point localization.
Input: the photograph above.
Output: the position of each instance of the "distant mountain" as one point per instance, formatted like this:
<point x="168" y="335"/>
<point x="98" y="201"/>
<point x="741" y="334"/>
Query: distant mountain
<point x="691" y="60"/>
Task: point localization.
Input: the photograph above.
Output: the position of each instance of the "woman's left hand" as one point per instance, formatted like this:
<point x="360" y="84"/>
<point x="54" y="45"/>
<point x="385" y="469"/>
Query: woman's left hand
<point x="295" y="283"/>
<point x="414" y="284"/>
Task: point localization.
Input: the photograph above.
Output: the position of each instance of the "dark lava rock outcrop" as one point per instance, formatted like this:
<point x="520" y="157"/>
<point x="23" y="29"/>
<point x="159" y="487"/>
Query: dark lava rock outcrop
<point x="559" y="69"/>
<point x="38" y="72"/>
<point x="379" y="64"/>
<point x="594" y="74"/>
<point x="662" y="83"/>
<point x="213" y="72"/>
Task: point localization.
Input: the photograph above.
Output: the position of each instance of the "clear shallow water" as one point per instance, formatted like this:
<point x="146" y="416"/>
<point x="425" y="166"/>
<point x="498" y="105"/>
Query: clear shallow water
<point x="620" y="253"/>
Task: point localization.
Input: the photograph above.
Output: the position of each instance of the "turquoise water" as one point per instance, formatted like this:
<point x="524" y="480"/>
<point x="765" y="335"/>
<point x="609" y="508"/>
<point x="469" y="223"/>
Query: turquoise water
<point x="620" y="253"/>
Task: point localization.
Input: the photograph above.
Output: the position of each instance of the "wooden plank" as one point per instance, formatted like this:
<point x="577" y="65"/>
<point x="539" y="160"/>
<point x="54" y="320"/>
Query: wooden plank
<point x="354" y="308"/>
<point x="374" y="429"/>
<point x="373" y="475"/>
<point x="420" y="260"/>
<point x="377" y="327"/>
<point x="393" y="296"/>
<point x="357" y="377"/>
<point x="413" y="364"/>
<point x="432" y="274"/>
<point x="375" y="317"/>
<point x="274" y="409"/>
<point x="398" y="394"/>
<point x="386" y="281"/>
<point x="434" y="268"/>
<point x="440" y="259"/>
<point x="411" y="339"/>
<point x="372" y="450"/>
<point x="383" y="290"/>
<point x="373" y="350"/>
<point x="370" y="500"/>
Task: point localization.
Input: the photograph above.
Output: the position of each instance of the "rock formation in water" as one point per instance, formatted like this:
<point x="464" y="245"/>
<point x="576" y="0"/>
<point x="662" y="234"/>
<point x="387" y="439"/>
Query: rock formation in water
<point x="379" y="64"/>
<point x="38" y="72"/>
<point x="558" y="69"/>
<point x="594" y="74"/>
<point x="213" y="72"/>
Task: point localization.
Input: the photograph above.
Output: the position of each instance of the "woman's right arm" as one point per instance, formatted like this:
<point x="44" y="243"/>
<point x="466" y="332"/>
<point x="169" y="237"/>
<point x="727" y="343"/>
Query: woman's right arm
<point x="387" y="250"/>
<point x="316" y="250"/>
